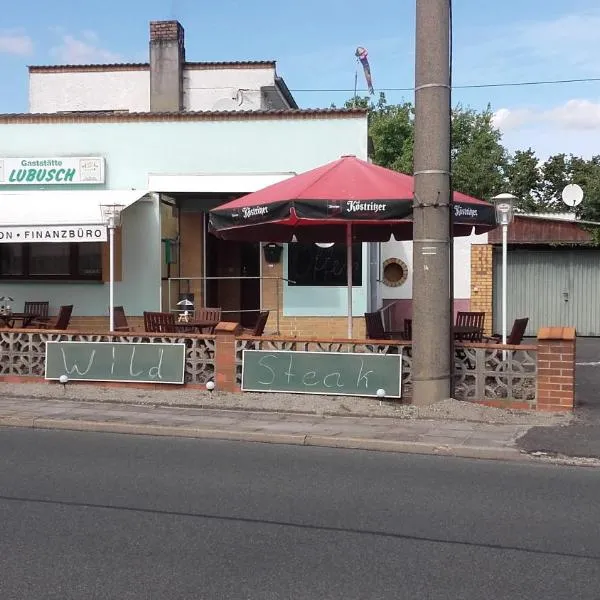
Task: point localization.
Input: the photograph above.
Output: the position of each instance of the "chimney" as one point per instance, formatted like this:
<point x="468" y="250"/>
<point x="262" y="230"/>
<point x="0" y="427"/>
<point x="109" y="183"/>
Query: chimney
<point x="167" y="58"/>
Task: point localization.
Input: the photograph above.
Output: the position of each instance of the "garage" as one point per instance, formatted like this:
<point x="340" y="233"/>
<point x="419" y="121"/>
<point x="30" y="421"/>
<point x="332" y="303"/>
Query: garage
<point x="550" y="285"/>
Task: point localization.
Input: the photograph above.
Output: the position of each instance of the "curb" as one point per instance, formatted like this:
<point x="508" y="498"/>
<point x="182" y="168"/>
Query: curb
<point x="378" y="445"/>
<point x="275" y="411"/>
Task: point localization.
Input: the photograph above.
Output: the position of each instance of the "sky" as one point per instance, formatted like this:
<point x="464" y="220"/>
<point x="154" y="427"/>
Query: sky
<point x="314" y="41"/>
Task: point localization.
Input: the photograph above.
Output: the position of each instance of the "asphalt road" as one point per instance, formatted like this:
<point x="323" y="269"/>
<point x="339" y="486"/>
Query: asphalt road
<point x="582" y="436"/>
<point x="94" y="516"/>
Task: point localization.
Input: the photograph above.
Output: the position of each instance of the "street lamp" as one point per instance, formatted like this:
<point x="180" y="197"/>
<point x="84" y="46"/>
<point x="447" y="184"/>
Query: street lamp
<point x="111" y="217"/>
<point x="504" y="216"/>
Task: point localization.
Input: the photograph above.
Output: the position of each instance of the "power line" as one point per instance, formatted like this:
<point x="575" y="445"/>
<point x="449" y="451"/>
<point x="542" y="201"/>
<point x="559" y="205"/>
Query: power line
<point x="465" y="86"/>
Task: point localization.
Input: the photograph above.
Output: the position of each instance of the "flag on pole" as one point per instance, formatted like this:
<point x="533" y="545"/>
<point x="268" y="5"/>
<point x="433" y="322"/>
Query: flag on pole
<point x="362" y="55"/>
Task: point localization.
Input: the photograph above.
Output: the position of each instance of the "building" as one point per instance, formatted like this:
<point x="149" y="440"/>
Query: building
<point x="552" y="275"/>
<point x="168" y="140"/>
<point x="166" y="83"/>
<point x="396" y="274"/>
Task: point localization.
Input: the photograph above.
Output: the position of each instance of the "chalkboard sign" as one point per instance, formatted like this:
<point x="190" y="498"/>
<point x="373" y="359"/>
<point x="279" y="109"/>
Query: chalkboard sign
<point x="339" y="373"/>
<point x="105" y="361"/>
<point x="308" y="264"/>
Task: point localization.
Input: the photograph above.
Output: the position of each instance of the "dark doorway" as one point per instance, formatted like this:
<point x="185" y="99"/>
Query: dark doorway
<point x="238" y="296"/>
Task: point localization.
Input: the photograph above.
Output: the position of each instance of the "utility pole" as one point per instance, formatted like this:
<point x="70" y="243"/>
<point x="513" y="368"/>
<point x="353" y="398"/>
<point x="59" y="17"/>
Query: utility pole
<point x="432" y="362"/>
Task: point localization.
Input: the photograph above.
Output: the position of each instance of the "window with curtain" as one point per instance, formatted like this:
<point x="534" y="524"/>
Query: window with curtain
<point x="51" y="261"/>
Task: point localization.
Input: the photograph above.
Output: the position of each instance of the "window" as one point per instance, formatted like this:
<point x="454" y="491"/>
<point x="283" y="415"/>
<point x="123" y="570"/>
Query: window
<point x="311" y="265"/>
<point x="51" y="261"/>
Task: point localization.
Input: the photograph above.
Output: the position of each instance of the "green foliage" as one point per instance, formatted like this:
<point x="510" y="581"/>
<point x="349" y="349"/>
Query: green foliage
<point x="478" y="156"/>
<point x="524" y="180"/>
<point x="481" y="165"/>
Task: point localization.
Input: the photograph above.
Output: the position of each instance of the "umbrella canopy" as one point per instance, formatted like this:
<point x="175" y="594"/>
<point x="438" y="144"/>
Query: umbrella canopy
<point x="375" y="201"/>
<point x="348" y="200"/>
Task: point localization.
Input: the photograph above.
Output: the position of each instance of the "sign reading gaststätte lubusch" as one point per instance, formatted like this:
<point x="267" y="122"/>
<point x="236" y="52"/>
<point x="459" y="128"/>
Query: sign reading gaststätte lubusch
<point x="61" y="170"/>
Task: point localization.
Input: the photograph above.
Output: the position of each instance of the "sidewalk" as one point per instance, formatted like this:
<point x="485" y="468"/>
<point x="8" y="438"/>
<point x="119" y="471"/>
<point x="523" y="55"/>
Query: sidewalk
<point x="460" y="429"/>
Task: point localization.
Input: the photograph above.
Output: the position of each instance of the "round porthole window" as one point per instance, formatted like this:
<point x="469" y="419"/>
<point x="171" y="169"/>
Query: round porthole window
<point x="395" y="272"/>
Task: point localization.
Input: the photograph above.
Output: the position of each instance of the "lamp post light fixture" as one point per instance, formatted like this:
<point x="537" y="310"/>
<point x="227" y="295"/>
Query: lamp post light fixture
<point x="504" y="215"/>
<point x="111" y="217"/>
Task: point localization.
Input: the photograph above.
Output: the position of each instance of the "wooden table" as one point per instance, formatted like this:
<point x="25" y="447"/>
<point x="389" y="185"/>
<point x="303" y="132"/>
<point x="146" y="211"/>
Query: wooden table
<point x="196" y="325"/>
<point x="9" y="320"/>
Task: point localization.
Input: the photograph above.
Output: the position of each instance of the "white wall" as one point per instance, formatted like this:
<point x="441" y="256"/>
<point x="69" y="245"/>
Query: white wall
<point x="138" y="291"/>
<point x="51" y="92"/>
<point x="462" y="266"/>
<point x="225" y="89"/>
<point x="204" y="89"/>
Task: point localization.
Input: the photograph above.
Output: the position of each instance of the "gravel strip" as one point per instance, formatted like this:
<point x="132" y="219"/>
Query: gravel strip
<point x="350" y="406"/>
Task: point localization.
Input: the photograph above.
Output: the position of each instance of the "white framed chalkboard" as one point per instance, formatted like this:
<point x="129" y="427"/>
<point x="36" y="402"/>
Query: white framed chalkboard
<point x="116" y="361"/>
<point x="331" y="373"/>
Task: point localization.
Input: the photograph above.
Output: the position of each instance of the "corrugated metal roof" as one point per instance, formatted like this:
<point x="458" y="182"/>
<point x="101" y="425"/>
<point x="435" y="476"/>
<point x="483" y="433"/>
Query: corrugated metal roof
<point x="145" y="65"/>
<point x="565" y="217"/>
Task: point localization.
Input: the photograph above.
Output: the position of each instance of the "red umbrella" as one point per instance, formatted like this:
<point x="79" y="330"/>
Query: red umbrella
<point x="377" y="202"/>
<point x="348" y="199"/>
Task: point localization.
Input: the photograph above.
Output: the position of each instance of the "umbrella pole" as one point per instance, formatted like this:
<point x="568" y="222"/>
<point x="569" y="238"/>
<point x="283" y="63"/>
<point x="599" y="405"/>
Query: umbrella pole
<point x="349" y="275"/>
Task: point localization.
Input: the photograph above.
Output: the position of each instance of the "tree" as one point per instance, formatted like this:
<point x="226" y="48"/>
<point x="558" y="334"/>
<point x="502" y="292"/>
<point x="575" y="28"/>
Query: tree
<point x="524" y="180"/>
<point x="478" y="156"/>
<point x="481" y="166"/>
<point x="587" y="175"/>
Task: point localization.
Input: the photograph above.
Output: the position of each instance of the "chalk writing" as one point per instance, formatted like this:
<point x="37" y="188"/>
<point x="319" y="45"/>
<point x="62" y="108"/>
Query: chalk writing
<point x="321" y="372"/>
<point x="309" y="264"/>
<point x="103" y="361"/>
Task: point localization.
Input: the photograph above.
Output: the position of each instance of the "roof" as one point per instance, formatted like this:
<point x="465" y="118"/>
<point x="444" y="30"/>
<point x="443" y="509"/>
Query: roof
<point x="142" y="66"/>
<point x="119" y="116"/>
<point x="564" y="217"/>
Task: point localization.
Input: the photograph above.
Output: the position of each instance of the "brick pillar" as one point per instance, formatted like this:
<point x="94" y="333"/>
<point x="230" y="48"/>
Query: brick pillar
<point x="482" y="265"/>
<point x="167" y="60"/>
<point x="556" y="369"/>
<point x="225" y="333"/>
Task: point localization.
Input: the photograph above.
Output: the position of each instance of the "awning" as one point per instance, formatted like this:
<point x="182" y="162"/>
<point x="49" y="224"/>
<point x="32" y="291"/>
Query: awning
<point x="58" y="216"/>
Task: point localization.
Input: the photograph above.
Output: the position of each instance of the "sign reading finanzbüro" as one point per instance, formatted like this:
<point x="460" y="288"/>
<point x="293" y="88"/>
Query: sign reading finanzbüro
<point x="63" y="170"/>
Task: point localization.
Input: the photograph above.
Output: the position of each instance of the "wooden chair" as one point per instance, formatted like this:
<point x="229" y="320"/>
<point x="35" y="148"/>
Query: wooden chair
<point x="471" y="319"/>
<point x="120" y="320"/>
<point x="259" y="327"/>
<point x="407" y="332"/>
<point x="208" y="314"/>
<point x="159" y="322"/>
<point x="516" y="333"/>
<point x="61" y="322"/>
<point x="39" y="309"/>
<point x="374" y="326"/>
<point x="376" y="330"/>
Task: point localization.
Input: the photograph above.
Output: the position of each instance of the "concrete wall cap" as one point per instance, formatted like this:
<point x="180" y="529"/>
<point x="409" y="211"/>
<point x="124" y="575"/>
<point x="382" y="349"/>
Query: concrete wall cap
<point x="556" y="333"/>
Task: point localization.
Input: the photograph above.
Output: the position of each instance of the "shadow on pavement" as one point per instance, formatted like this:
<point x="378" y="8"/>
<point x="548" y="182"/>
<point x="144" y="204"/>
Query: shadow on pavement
<point x="582" y="436"/>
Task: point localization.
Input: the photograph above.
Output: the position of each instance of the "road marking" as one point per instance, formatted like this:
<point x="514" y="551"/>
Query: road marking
<point x="588" y="364"/>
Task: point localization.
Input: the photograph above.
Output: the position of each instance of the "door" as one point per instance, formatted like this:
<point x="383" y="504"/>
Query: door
<point x="233" y="269"/>
<point x="553" y="287"/>
<point x="250" y="287"/>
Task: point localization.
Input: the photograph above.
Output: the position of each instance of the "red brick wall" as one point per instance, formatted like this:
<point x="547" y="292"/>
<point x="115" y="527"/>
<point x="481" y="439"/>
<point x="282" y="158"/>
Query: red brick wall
<point x="556" y="369"/>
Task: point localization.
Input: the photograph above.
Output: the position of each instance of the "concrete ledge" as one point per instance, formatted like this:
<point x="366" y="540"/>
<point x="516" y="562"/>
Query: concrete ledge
<point x="415" y="448"/>
<point x="16" y="421"/>
<point x="378" y="445"/>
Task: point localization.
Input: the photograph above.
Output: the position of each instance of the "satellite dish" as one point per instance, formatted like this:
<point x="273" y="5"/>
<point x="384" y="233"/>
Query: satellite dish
<point x="572" y="194"/>
<point x="324" y="244"/>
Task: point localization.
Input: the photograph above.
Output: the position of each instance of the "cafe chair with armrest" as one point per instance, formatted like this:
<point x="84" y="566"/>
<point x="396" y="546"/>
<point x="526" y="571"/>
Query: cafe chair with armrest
<point x="120" y="320"/>
<point x="516" y="333"/>
<point x="37" y="309"/>
<point x="259" y="326"/>
<point x="61" y="322"/>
